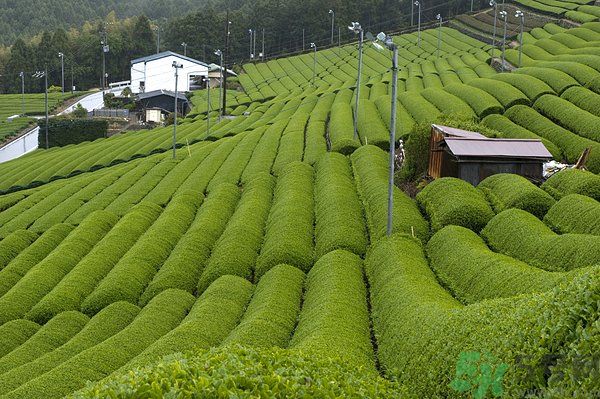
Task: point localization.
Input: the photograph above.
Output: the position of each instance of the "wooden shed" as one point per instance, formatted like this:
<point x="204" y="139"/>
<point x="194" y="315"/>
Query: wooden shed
<point x="472" y="157"/>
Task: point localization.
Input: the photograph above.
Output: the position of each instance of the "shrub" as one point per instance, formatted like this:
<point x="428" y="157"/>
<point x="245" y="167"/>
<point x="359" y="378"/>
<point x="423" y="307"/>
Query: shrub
<point x="273" y="311"/>
<point x="291" y="146"/>
<point x="184" y="265"/>
<point x="265" y="152"/>
<point x="404" y="122"/>
<point x="453" y="201"/>
<point x="236" y="250"/>
<point x="370" y="167"/>
<point x="420" y="109"/>
<point x="559" y="81"/>
<point x="505" y="93"/>
<point x="371" y="129"/>
<point x="521" y="235"/>
<point x="505" y="191"/>
<point x="334" y="319"/>
<point x="482" y="103"/>
<point x="447" y="103"/>
<point x="13" y="244"/>
<point x="584" y="99"/>
<point x="575" y="213"/>
<point x="15" y="333"/>
<point x="573" y="181"/>
<point x="580" y="72"/>
<point x="581" y="17"/>
<point x="62" y="132"/>
<point x="570" y="116"/>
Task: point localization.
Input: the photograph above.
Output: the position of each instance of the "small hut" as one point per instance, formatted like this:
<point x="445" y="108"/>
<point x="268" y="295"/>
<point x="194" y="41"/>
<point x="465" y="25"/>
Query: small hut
<point x="472" y="157"/>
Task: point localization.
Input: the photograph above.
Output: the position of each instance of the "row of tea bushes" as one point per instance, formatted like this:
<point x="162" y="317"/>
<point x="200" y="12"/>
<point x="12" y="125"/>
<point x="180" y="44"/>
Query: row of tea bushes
<point x="575" y="213"/>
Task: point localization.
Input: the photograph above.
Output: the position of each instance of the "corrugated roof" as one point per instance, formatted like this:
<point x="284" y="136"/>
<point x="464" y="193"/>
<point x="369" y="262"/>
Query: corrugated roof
<point x="497" y="148"/>
<point x="452" y="131"/>
<point x="155" y="93"/>
<point x="164" y="54"/>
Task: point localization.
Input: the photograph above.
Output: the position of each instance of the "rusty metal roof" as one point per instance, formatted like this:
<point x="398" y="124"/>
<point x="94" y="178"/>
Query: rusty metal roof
<point x="497" y="148"/>
<point x="454" y="132"/>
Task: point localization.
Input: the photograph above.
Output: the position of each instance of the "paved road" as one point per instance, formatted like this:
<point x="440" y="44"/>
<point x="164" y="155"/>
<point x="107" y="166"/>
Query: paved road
<point x="90" y="102"/>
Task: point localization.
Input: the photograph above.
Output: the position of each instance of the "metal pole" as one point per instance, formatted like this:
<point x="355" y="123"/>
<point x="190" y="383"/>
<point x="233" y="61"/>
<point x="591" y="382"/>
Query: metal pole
<point x="158" y="39"/>
<point x="208" y="107"/>
<point x="419" y="27"/>
<point x="72" y="80"/>
<point x="504" y="15"/>
<point x="495" y="5"/>
<point x="392" y="141"/>
<point x="46" y="103"/>
<point x="224" y="63"/>
<point x="412" y="13"/>
<point x="103" y="64"/>
<point x="303" y="46"/>
<point x="176" y="107"/>
<point x="250" y="31"/>
<point x="22" y="74"/>
<point x="254" y="45"/>
<point x="360" y="51"/>
<point x="471" y="5"/>
<point x="339" y="36"/>
<point x="62" y="69"/>
<point x="439" y="35"/>
<point x="314" y="63"/>
<point x="332" y="23"/>
<point x="263" y="44"/>
<point x="521" y="16"/>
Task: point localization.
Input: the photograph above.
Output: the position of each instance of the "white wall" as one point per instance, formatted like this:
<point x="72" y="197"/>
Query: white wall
<point x="160" y="74"/>
<point x="21" y="146"/>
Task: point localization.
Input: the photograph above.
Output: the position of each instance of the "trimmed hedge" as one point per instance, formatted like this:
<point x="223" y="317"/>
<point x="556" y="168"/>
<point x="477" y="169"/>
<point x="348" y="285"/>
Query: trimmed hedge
<point x="580" y="72"/>
<point x="521" y="235"/>
<point x="291" y="146"/>
<point x="15" y="333"/>
<point x="575" y="213"/>
<point x="559" y="81"/>
<point x="212" y="317"/>
<point x="156" y="319"/>
<point x="370" y="167"/>
<point x="581" y="17"/>
<point x="584" y="99"/>
<point x="573" y="181"/>
<point x="570" y="116"/>
<point x="186" y="262"/>
<point x="63" y="132"/>
<point x="273" y="311"/>
<point x="450" y="200"/>
<point x="265" y="152"/>
<point x="447" y="103"/>
<point x="371" y="129"/>
<point x="421" y="331"/>
<point x="237" y="249"/>
<point x="505" y="191"/>
<point x="340" y="223"/>
<point x="334" y="320"/>
<point x="482" y="103"/>
<point x="44" y="276"/>
<point x="504" y="92"/>
<point x="404" y="121"/>
<point x="290" y="225"/>
<point x="13" y="244"/>
<point x="418" y="107"/>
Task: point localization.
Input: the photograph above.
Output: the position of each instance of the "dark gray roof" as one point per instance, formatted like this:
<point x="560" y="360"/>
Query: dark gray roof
<point x="164" y="54"/>
<point x="454" y="132"/>
<point x="497" y="148"/>
<point x="156" y="93"/>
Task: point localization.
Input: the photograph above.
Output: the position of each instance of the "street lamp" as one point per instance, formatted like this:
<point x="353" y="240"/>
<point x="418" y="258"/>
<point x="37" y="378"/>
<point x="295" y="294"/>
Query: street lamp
<point x="177" y="68"/>
<point x="38" y="75"/>
<point x="504" y="15"/>
<point x="207" y="81"/>
<point x="157" y="29"/>
<point x="495" y="5"/>
<point x="184" y="44"/>
<point x="251" y="54"/>
<point x="357" y="29"/>
<point x="105" y="50"/>
<point x="389" y="43"/>
<point x="439" y="18"/>
<point x="314" y="46"/>
<point x="471" y="5"/>
<point x="418" y="4"/>
<point x="62" y="68"/>
<point x="219" y="53"/>
<point x="519" y="14"/>
<point x="332" y="13"/>
<point x="412" y="14"/>
<point x="22" y="75"/>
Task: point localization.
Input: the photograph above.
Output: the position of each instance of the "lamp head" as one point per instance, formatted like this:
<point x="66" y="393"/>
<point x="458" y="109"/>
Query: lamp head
<point x="312" y="45"/>
<point x="519" y="13"/>
<point x="492" y="3"/>
<point x="355" y="27"/>
<point x="438" y="17"/>
<point x="331" y="12"/>
<point x="417" y="3"/>
<point x="60" y="55"/>
<point x="503" y="14"/>
<point x="218" y="52"/>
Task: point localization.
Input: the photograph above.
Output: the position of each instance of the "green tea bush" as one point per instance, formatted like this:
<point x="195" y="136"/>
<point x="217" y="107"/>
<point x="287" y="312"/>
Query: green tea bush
<point x="504" y="92"/>
<point x="212" y="317"/>
<point x="316" y="144"/>
<point x="15" y="333"/>
<point x="340" y="222"/>
<point x="185" y="264"/>
<point x="569" y="116"/>
<point x="482" y="103"/>
<point x="573" y="181"/>
<point x="246" y="373"/>
<point x="135" y="270"/>
<point x="237" y="249"/>
<point x="505" y="191"/>
<point x="447" y="103"/>
<point x="291" y="146"/>
<point x="42" y="277"/>
<point x="584" y="99"/>
<point x="581" y="17"/>
<point x="290" y="225"/>
<point x="576" y="214"/>
<point x="371" y="129"/>
<point x="370" y="168"/>
<point x="81" y="281"/>
<point x="334" y="320"/>
<point x="418" y="107"/>
<point x="559" y="81"/>
<point x="265" y="152"/>
<point x="104" y="325"/>
<point x="521" y="235"/>
<point x="423" y="333"/>
<point x="580" y="72"/>
<point x="404" y="121"/>
<point x="156" y="319"/>
<point x="450" y="200"/>
<point x="273" y="311"/>
<point x="13" y="244"/>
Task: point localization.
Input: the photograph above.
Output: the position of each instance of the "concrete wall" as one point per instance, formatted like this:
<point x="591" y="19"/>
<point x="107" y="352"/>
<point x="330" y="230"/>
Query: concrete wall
<point x="21" y="146"/>
<point x="160" y="74"/>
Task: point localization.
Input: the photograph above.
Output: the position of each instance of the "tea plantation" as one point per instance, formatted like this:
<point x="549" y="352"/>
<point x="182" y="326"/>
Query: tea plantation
<point x="256" y="262"/>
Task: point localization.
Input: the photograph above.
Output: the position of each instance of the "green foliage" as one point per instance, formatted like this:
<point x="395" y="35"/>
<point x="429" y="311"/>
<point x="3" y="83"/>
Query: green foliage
<point x="448" y="104"/>
<point x="404" y="122"/>
<point x="504" y="92"/>
<point x="559" y="81"/>
<point x="583" y="98"/>
<point x="573" y="181"/>
<point x="341" y="129"/>
<point x="531" y="86"/>
<point x="581" y="17"/>
<point x="575" y="213"/>
<point x="421" y="110"/>
<point x="450" y="200"/>
<point x="15" y="333"/>
<point x="569" y="116"/>
<point x="62" y="132"/>
<point x="291" y="146"/>
<point x="13" y="244"/>
<point x="265" y="152"/>
<point x="521" y="235"/>
<point x="371" y="129"/>
<point x="482" y="103"/>
<point x="505" y="191"/>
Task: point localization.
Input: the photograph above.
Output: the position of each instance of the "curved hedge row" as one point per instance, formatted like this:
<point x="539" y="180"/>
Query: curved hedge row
<point x="341" y="129"/>
<point x="582" y="73"/>
<point x="237" y="249"/>
<point x="13" y="244"/>
<point x="334" y="319"/>
<point x="584" y="99"/>
<point x="370" y="167"/>
<point x="505" y="191"/>
<point x="570" y="116"/>
<point x="573" y="181"/>
<point x="453" y="201"/>
<point x="290" y="228"/>
<point x="447" y="103"/>
<point x="291" y="146"/>
<point x="482" y="102"/>
<point x="15" y="333"/>
<point x="265" y="152"/>
<point x="559" y="81"/>
<point x="371" y="129"/>
<point x="419" y="109"/>
<point x="315" y="143"/>
<point x="422" y="332"/>
<point x="575" y="213"/>
<point x="521" y="235"/>
<point x="404" y="121"/>
<point x="504" y="92"/>
<point x="339" y="216"/>
<point x="273" y="311"/>
<point x="185" y="264"/>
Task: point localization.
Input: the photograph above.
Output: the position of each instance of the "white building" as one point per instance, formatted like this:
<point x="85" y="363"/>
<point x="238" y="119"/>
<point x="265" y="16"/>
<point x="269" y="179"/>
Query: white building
<point x="156" y="72"/>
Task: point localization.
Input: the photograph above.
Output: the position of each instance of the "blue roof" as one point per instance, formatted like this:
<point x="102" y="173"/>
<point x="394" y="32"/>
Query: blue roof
<point x="164" y="54"/>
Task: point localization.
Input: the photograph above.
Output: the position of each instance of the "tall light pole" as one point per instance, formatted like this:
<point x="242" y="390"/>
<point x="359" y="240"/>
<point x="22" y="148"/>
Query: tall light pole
<point x="219" y="53"/>
<point x="251" y="54"/>
<point x="207" y="80"/>
<point x="254" y="44"/>
<point x="357" y="29"/>
<point x="184" y="45"/>
<point x="439" y="18"/>
<point x="44" y="74"/>
<point x="177" y="68"/>
<point x="157" y="28"/>
<point x="521" y="15"/>
<point x="418" y="4"/>
<point x="332" y="13"/>
<point x="495" y="5"/>
<point x="105" y="50"/>
<point x="22" y="75"/>
<point x="471" y="5"/>
<point x="303" y="41"/>
<point x="224" y="63"/>
<point x="263" y="45"/>
<point x="389" y="43"/>
<point x="339" y="36"/>
<point x="62" y="69"/>
<point x="504" y="15"/>
<point x="314" y="46"/>
<point x="412" y="14"/>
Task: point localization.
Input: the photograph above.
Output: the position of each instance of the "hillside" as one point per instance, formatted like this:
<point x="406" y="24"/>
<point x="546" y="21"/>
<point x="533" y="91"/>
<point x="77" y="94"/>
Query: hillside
<point x="256" y="257"/>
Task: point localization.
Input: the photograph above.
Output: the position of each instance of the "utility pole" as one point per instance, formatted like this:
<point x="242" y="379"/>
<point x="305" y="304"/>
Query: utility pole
<point x="105" y="50"/>
<point x="62" y="69"/>
<point x="504" y="15"/>
<point x="519" y="14"/>
<point x="332" y="13"/>
<point x="184" y="44"/>
<point x="207" y="80"/>
<point x="439" y="42"/>
<point x="22" y="75"/>
<point x="72" y="83"/>
<point x="44" y="74"/>
<point x="357" y="28"/>
<point x="263" y="44"/>
<point x="254" y="45"/>
<point x="220" y="54"/>
<point x="177" y="67"/>
<point x="251" y="53"/>
<point x="314" y="46"/>
<point x="227" y="33"/>
<point x="418" y="4"/>
<point x="303" y="43"/>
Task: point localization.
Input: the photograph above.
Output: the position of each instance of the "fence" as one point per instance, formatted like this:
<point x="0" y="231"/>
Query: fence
<point x="109" y="113"/>
<point x="20" y="146"/>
